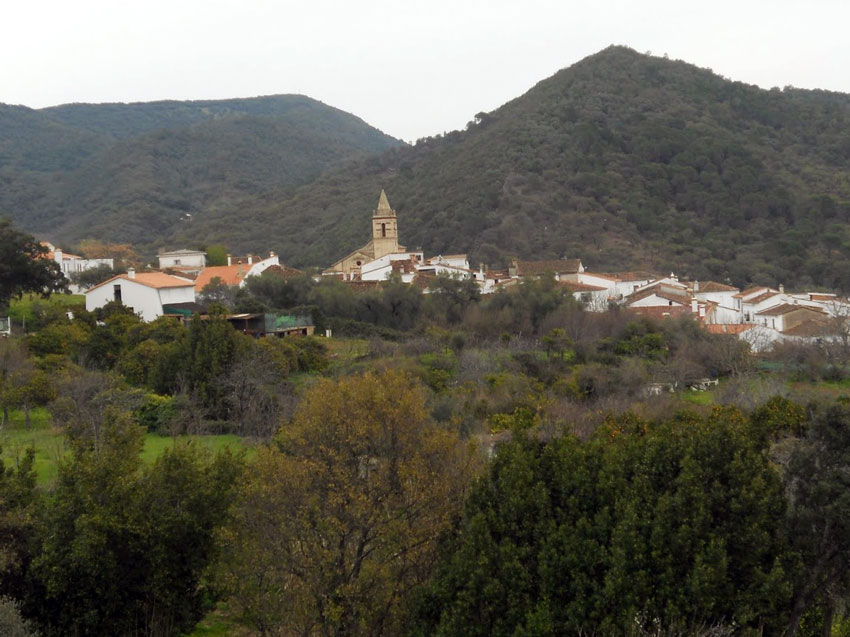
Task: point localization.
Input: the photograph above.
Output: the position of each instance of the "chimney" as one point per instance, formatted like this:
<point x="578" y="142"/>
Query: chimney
<point x="250" y="259"/>
<point x="131" y="273"/>
<point x="481" y="268"/>
<point x="696" y="286"/>
<point x="513" y="268"/>
<point x="271" y="254"/>
<point x="229" y="260"/>
<point x="781" y="289"/>
<point x="694" y="306"/>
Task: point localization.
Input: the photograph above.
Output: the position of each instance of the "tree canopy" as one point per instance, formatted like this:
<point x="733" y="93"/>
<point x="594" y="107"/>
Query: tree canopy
<point x="24" y="266"/>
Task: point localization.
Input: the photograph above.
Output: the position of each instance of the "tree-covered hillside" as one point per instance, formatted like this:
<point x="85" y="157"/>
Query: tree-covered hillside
<point x="132" y="172"/>
<point x="624" y="160"/>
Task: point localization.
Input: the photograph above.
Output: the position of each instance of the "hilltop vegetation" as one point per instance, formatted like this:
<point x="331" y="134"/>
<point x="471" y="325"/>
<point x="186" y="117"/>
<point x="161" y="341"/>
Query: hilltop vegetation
<point x="626" y="160"/>
<point x="623" y="159"/>
<point x="131" y="172"/>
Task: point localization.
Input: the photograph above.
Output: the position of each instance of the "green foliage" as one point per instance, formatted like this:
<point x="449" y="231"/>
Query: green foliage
<point x="156" y="413"/>
<point x="635" y="159"/>
<point x="12" y="624"/>
<point x="216" y="255"/>
<point x="167" y="172"/>
<point x="25" y="266"/>
<point x="644" y="525"/>
<point x="135" y="539"/>
<point x="819" y="515"/>
<point x="333" y="530"/>
<point x="18" y="524"/>
<point x="92" y="276"/>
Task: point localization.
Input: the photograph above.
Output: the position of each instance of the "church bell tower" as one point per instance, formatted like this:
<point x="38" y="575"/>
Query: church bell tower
<point x="384" y="228"/>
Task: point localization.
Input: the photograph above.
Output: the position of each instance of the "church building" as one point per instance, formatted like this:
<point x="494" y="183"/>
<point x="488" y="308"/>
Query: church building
<point x="384" y="243"/>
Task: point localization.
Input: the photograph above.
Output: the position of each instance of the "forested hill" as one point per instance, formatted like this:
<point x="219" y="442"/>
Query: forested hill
<point x="624" y="160"/>
<point x="132" y="172"/>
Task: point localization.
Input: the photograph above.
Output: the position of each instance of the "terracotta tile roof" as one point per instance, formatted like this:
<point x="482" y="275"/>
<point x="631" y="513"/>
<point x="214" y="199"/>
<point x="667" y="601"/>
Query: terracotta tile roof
<point x="808" y="329"/>
<point x="156" y="280"/>
<point x="729" y="328"/>
<point x="557" y="266"/>
<point x="660" y="291"/>
<point x="785" y="308"/>
<point x="185" y="271"/>
<point x="761" y="297"/>
<point x="749" y="291"/>
<point x="815" y="296"/>
<point x="630" y="276"/>
<point x="229" y="274"/>
<point x="714" y="286"/>
<point x="283" y="271"/>
<point x="580" y="287"/>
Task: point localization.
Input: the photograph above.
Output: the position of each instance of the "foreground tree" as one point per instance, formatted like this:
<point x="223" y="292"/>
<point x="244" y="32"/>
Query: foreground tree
<point x="644" y="527"/>
<point x="818" y="490"/>
<point x="338" y="525"/>
<point x="125" y="546"/>
<point x="25" y="267"/>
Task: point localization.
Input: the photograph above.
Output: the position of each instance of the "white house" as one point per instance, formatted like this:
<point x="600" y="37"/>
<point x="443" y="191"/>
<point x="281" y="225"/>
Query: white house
<point x="145" y="293"/>
<point x="785" y="316"/>
<point x="660" y="295"/>
<point x="594" y="298"/>
<point x="755" y="300"/>
<point x="406" y="264"/>
<point x="194" y="259"/>
<point x="71" y="263"/>
<point x="723" y="296"/>
<point x="561" y="269"/>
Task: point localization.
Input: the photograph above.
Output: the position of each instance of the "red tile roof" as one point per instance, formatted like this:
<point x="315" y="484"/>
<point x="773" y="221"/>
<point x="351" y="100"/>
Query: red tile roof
<point x="580" y="287"/>
<point x="229" y="275"/>
<point x="150" y="279"/>
<point x="630" y="276"/>
<point x="785" y="308"/>
<point x="808" y="329"/>
<point x="557" y="266"/>
<point x="714" y="286"/>
<point x="749" y="291"/>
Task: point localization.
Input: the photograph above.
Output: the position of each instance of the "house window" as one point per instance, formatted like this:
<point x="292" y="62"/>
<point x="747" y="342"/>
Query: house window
<point x="116" y="292"/>
<point x="359" y="263"/>
<point x="176" y="261"/>
<point x="383" y="230"/>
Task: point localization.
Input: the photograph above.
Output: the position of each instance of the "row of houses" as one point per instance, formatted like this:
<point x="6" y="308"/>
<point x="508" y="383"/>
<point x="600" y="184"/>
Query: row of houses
<point x="761" y="315"/>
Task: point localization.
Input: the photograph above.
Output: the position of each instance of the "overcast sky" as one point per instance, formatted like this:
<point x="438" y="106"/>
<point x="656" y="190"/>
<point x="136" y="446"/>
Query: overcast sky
<point x="411" y="68"/>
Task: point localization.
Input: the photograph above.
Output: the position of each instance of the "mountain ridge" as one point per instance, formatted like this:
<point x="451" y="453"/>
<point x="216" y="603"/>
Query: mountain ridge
<point x="623" y="159"/>
<point x="132" y="172"/>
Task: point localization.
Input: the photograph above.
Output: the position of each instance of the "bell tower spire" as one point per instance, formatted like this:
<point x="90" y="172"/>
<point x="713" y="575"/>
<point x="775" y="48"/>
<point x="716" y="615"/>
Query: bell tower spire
<point x="384" y="228"/>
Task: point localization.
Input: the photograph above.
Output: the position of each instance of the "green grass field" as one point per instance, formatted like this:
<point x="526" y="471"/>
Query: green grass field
<point x="24" y="308"/>
<point x="49" y="444"/>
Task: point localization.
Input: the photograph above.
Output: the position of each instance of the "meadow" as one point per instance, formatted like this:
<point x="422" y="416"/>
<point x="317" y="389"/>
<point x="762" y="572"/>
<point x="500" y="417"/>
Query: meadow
<point x="51" y="446"/>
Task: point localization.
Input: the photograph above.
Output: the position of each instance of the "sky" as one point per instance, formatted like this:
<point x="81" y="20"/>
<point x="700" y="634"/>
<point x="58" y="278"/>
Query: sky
<point x="408" y="67"/>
